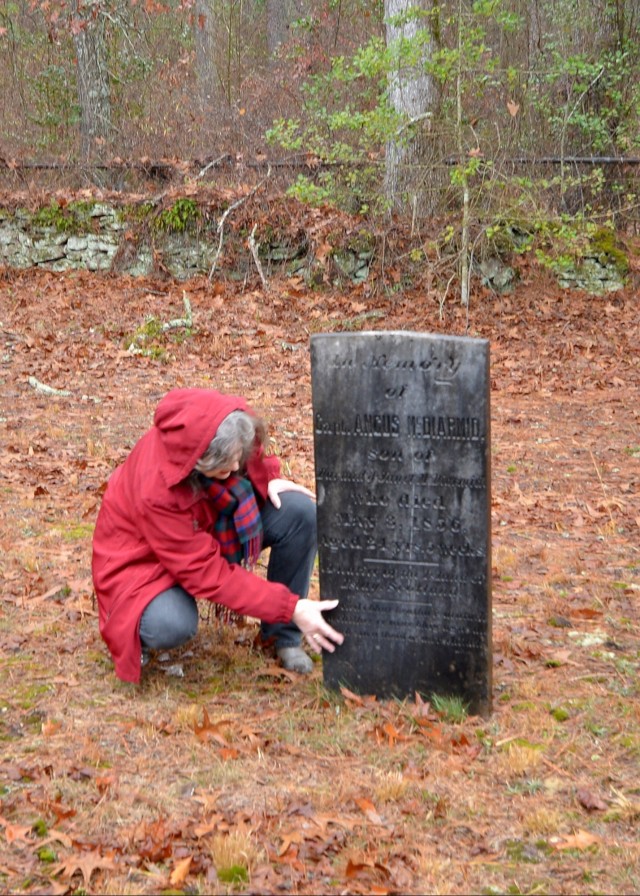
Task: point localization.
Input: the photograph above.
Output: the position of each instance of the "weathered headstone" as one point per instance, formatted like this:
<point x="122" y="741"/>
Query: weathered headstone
<point x="402" y="453"/>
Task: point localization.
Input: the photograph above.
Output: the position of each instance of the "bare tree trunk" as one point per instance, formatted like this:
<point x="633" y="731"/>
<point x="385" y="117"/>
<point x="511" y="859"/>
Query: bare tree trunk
<point x="280" y="15"/>
<point x="534" y="33"/>
<point x="94" y="95"/>
<point x="205" y="44"/>
<point x="464" y="248"/>
<point x="412" y="96"/>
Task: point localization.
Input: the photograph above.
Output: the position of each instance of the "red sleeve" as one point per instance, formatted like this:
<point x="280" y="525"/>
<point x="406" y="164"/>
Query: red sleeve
<point x="194" y="559"/>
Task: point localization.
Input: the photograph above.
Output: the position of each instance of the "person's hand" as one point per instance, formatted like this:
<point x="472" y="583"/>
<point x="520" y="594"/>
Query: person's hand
<point x="319" y="634"/>
<point x="277" y="486"/>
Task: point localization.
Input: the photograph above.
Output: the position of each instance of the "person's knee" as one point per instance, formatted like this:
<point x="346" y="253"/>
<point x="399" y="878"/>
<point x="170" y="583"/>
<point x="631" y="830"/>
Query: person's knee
<point x="292" y="528"/>
<point x="170" y="620"/>
<point x="186" y="625"/>
<point x="304" y="510"/>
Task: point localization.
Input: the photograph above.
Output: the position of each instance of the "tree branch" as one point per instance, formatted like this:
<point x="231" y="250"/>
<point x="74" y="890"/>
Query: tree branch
<point x="233" y="207"/>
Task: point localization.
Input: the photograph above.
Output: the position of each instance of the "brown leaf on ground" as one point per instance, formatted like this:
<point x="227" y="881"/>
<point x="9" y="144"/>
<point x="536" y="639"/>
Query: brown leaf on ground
<point x="87" y="864"/>
<point x="216" y="731"/>
<point x="357" y="699"/>
<point x="580" y="840"/>
<point x="368" y="810"/>
<point x="180" y="872"/>
<point x="277" y="672"/>
<point x="590" y="800"/>
<point x="13" y="832"/>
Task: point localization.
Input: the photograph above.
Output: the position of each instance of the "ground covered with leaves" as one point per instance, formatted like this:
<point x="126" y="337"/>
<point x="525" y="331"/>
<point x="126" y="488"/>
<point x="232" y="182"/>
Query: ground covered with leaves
<point x="223" y="773"/>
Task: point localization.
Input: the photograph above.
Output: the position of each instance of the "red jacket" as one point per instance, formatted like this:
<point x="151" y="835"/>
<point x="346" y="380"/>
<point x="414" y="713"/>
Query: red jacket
<point x="154" y="531"/>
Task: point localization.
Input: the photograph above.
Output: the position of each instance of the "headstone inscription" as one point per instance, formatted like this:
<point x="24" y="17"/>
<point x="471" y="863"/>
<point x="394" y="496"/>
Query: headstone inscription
<point x="402" y="440"/>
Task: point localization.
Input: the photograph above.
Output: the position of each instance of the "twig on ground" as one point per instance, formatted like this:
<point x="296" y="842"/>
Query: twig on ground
<point x="137" y="345"/>
<point x="253" y="246"/>
<point x="225" y="157"/>
<point x="220" y="229"/>
<point x="47" y="390"/>
<point x="556" y="768"/>
<point x="443" y="299"/>
<point x="177" y="322"/>
<point x="604" y="491"/>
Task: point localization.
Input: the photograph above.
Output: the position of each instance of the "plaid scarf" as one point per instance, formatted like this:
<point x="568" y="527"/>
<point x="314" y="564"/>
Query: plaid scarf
<point x="238" y="527"/>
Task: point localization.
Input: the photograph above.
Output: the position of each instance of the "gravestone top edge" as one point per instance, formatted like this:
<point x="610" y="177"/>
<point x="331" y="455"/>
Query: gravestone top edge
<point x="410" y="334"/>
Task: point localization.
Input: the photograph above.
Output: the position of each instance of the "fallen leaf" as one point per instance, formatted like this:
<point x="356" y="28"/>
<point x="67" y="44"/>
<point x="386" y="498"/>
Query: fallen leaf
<point x="393" y="734"/>
<point x="105" y="782"/>
<point x="13" y="832"/>
<point x="349" y="695"/>
<point x="368" y="809"/>
<point x="214" y="730"/>
<point x="579" y="840"/>
<point x="586" y="613"/>
<point x="228" y="753"/>
<point x="209" y="827"/>
<point x="422" y="708"/>
<point x="57" y="837"/>
<point x="180" y="872"/>
<point x="86" y="864"/>
<point x="51" y="727"/>
<point x="278" y="672"/>
<point x="590" y="800"/>
<point x="365" y="700"/>
<point x="353" y="869"/>
<point x="434" y="733"/>
<point x="348" y="822"/>
<point x="294" y="837"/>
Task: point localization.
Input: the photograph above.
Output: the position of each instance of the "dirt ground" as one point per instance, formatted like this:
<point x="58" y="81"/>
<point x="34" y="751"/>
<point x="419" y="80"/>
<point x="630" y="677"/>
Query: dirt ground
<point x="238" y="777"/>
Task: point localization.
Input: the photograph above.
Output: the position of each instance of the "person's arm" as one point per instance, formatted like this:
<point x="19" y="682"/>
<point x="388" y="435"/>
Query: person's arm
<point x="194" y="559"/>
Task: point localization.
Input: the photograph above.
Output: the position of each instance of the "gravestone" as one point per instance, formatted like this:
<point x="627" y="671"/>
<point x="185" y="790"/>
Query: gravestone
<point x="402" y="442"/>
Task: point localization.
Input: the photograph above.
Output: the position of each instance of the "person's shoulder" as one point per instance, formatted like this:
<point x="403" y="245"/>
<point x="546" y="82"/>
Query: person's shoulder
<point x="157" y="495"/>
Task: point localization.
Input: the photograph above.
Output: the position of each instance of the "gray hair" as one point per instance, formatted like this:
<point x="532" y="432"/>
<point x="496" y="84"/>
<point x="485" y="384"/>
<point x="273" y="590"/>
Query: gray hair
<point x="237" y="432"/>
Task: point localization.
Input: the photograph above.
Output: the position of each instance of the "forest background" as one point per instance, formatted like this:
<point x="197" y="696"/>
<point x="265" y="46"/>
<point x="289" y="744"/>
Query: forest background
<point x="472" y="154"/>
<point x="520" y="117"/>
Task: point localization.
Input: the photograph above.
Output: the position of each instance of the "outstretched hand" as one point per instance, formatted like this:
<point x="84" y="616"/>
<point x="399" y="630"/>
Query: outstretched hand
<point x="319" y="634"/>
<point x="277" y="486"/>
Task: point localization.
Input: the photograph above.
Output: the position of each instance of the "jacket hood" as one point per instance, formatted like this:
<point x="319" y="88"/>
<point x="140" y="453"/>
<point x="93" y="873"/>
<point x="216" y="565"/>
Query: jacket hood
<point x="185" y="422"/>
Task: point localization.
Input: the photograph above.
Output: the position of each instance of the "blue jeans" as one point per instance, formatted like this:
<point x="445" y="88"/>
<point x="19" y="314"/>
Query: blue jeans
<point x="171" y="619"/>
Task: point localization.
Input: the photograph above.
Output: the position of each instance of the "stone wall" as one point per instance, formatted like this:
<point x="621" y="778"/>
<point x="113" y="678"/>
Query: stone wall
<point x="98" y="236"/>
<point x="99" y="240"/>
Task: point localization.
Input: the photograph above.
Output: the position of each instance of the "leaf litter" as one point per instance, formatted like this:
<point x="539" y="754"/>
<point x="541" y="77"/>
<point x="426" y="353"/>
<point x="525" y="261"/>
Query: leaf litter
<point x="238" y="777"/>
